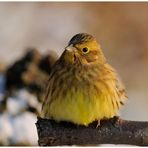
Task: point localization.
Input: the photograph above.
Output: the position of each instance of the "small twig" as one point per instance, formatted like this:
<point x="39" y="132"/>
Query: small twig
<point x="112" y="131"/>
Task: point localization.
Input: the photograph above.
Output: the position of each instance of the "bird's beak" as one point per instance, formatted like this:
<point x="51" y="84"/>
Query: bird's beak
<point x="69" y="55"/>
<point x="70" y="48"/>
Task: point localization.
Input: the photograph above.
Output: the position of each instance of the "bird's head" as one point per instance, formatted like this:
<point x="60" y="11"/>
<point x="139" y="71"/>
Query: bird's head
<point x="82" y="49"/>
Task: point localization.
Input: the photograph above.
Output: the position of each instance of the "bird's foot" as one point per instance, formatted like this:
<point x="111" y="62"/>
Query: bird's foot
<point x="98" y="123"/>
<point x="116" y="121"/>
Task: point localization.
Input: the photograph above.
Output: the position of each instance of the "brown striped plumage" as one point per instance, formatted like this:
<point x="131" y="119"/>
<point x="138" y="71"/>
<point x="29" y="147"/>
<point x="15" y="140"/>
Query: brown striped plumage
<point x="82" y="87"/>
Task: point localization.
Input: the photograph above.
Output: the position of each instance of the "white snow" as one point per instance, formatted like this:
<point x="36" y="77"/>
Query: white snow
<point x="30" y="99"/>
<point x="17" y="125"/>
<point x="18" y="129"/>
<point x="6" y="131"/>
<point x="20" y="102"/>
<point x="15" y="106"/>
<point x="24" y="129"/>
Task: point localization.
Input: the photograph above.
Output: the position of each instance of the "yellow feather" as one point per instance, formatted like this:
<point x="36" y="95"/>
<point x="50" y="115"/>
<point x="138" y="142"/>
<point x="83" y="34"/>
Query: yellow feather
<point x="81" y="108"/>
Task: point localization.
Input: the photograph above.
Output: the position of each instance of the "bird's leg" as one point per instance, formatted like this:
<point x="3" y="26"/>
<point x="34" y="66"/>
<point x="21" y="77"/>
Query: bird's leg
<point x="98" y="123"/>
<point x="117" y="122"/>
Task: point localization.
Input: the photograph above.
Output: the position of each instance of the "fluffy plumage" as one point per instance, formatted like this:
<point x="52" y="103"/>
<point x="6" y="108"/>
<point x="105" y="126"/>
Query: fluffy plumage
<point x="82" y="87"/>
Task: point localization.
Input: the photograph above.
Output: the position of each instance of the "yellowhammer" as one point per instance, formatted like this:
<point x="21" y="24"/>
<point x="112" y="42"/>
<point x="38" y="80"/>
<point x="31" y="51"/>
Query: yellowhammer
<point x="82" y="87"/>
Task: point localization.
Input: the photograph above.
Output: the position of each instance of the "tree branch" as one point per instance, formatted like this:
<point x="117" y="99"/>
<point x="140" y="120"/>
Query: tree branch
<point x="112" y="131"/>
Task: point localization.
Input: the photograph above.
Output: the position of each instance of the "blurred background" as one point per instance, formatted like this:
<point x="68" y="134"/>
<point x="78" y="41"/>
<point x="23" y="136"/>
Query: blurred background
<point x="32" y="37"/>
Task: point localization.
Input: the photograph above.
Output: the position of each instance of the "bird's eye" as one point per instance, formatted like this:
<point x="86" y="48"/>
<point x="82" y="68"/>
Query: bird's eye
<point x="85" y="50"/>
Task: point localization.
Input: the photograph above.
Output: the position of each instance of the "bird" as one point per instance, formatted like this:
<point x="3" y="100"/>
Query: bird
<point x="82" y="86"/>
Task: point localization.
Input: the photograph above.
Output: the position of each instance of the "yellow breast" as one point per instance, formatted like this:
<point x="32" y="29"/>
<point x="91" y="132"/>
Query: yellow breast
<point x="84" y="105"/>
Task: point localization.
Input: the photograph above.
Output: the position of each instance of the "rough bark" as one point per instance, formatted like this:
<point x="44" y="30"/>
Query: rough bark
<point x="113" y="131"/>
